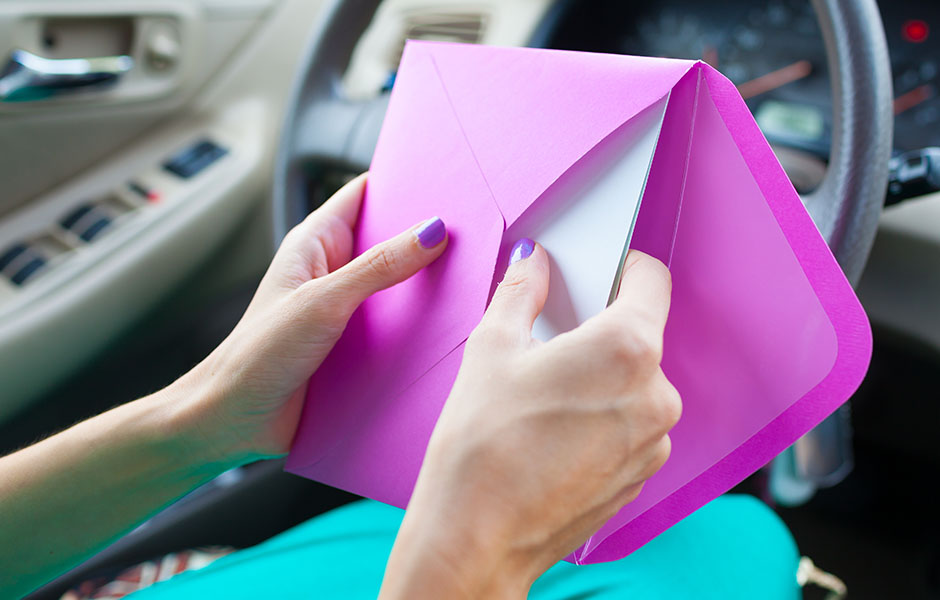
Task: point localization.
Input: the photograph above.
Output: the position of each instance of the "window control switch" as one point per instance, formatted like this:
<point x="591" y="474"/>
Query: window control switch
<point x="20" y="262"/>
<point x="70" y="220"/>
<point x="11" y="254"/>
<point x="28" y="270"/>
<point x="87" y="221"/>
<point x="194" y="159"/>
<point x="94" y="229"/>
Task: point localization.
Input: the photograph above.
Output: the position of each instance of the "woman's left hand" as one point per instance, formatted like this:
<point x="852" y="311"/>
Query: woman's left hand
<point x="68" y="496"/>
<point x="248" y="394"/>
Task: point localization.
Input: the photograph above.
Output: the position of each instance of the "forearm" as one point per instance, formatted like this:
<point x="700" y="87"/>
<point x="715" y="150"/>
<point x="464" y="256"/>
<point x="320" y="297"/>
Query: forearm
<point x="65" y="498"/>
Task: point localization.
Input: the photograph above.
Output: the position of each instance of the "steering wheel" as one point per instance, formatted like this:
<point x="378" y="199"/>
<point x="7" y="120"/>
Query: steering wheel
<point x="324" y="130"/>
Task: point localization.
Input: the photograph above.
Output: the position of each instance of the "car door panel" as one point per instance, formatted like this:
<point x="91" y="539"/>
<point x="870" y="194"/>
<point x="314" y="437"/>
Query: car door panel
<point x="95" y="147"/>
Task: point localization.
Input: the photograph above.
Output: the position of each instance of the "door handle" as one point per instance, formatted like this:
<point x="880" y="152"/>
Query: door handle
<point x="28" y="77"/>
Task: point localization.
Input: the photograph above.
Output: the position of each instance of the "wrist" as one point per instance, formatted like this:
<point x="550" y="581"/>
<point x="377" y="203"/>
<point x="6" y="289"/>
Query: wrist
<point x="194" y="418"/>
<point x="418" y="570"/>
<point x="439" y="555"/>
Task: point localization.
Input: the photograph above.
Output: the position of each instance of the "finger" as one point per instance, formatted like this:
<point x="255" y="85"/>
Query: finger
<point x="639" y="469"/>
<point x="659" y="454"/>
<point x="642" y="304"/>
<point x="645" y="289"/>
<point x="521" y="295"/>
<point x="626" y="495"/>
<point x="324" y="238"/>
<point x="388" y="263"/>
<point x="626" y="338"/>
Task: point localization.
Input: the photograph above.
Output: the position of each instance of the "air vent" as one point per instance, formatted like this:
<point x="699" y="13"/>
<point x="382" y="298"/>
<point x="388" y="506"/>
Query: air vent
<point x="467" y="28"/>
<point x="454" y="27"/>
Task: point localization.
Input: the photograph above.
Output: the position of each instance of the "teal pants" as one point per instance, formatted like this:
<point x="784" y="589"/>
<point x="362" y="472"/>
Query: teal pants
<point x="734" y="547"/>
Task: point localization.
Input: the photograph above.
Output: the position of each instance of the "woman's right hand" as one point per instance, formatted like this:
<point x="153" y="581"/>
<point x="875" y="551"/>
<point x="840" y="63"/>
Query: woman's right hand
<point x="539" y="444"/>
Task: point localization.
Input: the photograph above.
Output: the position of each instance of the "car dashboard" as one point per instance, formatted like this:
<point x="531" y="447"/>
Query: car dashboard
<point x="772" y="50"/>
<point x="775" y="53"/>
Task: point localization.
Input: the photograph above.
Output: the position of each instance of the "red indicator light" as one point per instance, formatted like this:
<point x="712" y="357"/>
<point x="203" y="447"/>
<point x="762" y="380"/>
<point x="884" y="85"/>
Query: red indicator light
<point x="915" y="31"/>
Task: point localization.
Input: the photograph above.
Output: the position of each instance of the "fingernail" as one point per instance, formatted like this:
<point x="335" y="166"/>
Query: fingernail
<point x="431" y="233"/>
<point x="522" y="249"/>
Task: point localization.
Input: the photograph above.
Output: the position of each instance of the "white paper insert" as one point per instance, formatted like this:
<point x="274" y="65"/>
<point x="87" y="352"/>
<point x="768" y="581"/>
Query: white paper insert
<point x="588" y="236"/>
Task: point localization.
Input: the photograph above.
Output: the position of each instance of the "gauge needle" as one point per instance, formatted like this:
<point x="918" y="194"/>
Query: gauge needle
<point x="910" y="99"/>
<point x="775" y="79"/>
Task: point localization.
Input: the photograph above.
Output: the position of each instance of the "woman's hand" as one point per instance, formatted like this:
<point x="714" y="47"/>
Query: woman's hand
<point x="538" y="444"/>
<point x="65" y="498"/>
<point x="249" y="392"/>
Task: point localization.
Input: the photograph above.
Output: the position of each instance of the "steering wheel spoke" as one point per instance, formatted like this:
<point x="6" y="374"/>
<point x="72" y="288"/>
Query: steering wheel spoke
<point x="338" y="133"/>
<point x="333" y="135"/>
<point x="321" y="132"/>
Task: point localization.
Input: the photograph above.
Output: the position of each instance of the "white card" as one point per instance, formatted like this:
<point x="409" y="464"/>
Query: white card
<point x="587" y="224"/>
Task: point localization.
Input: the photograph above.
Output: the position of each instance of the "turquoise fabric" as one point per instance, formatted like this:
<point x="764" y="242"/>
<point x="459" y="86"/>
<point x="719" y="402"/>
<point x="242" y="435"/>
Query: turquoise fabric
<point x="734" y="547"/>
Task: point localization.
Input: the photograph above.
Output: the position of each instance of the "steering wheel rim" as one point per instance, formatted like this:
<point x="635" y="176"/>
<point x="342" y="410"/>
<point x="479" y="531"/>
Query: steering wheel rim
<point x="320" y="122"/>
<point x="848" y="202"/>
<point x="325" y="128"/>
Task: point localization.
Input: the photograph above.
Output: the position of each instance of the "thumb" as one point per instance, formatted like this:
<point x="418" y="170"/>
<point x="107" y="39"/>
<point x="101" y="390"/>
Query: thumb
<point x="521" y="295"/>
<point x="388" y="263"/>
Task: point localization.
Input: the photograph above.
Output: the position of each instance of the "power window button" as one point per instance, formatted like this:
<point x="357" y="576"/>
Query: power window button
<point x="20" y="262"/>
<point x="194" y="159"/>
<point x="86" y="221"/>
<point x="72" y="219"/>
<point x="92" y="231"/>
<point x="28" y="270"/>
<point x="11" y="254"/>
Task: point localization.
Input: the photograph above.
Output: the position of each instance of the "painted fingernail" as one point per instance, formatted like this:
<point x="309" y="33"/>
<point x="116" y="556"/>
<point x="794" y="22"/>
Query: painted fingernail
<point x="522" y="249"/>
<point x="431" y="233"/>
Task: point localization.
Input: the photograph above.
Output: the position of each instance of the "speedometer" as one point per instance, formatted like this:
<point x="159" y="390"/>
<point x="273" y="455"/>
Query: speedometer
<point x="773" y="51"/>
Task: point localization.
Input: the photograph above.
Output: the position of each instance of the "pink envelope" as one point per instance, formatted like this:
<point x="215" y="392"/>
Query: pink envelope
<point x="765" y="336"/>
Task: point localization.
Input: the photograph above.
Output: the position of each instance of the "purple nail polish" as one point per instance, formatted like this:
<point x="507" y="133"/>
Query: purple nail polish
<point x="431" y="233"/>
<point x="522" y="249"/>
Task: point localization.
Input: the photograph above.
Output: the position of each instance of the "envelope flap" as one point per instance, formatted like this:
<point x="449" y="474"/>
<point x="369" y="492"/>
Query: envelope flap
<point x="530" y="115"/>
<point x="765" y="336"/>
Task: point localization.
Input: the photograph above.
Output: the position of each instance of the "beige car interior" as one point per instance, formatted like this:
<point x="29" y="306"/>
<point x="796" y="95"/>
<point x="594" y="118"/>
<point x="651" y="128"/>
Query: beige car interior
<point x="125" y="176"/>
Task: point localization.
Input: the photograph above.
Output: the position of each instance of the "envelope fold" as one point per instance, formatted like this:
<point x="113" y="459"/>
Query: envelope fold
<point x="375" y="461"/>
<point x="658" y="218"/>
<point x="529" y="119"/>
